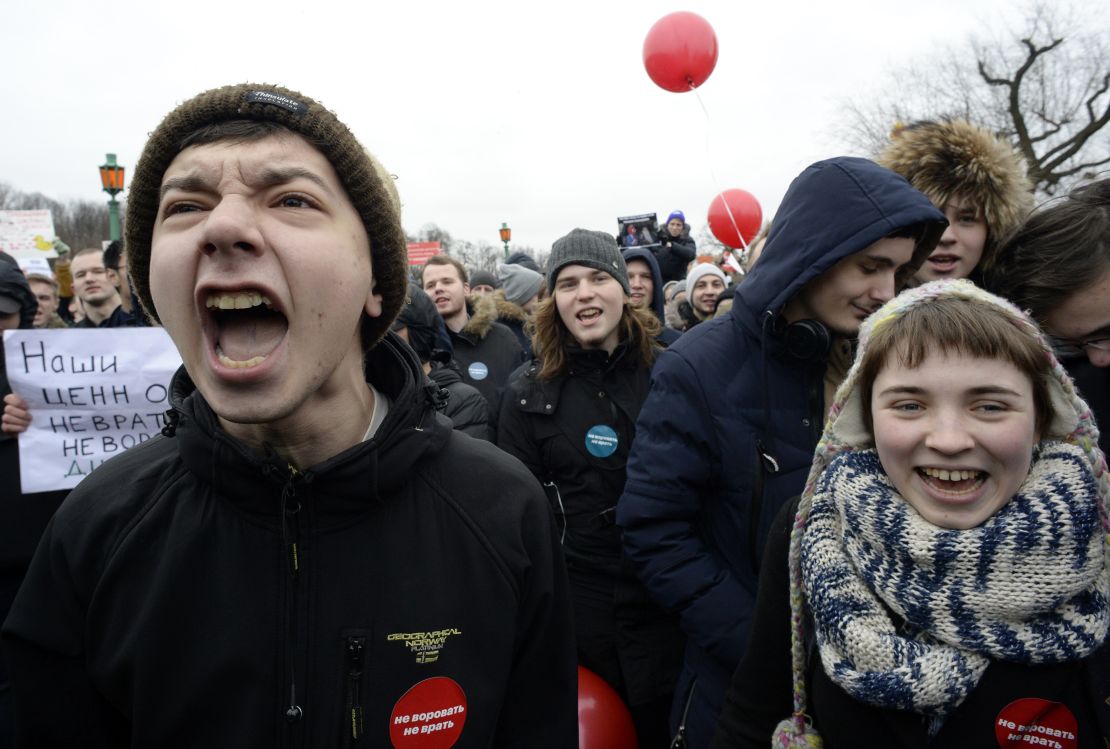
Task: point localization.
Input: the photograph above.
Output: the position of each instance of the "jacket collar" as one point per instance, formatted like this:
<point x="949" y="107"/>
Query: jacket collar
<point x="345" y="483"/>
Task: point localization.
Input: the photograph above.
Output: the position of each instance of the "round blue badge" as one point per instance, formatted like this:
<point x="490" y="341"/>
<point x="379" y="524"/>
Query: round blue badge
<point x="478" y="371"/>
<point x="601" y="441"/>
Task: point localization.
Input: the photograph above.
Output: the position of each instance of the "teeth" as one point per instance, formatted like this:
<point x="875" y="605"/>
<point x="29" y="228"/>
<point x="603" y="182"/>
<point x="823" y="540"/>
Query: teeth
<point x="945" y="475"/>
<point x="235" y="363"/>
<point x="240" y="300"/>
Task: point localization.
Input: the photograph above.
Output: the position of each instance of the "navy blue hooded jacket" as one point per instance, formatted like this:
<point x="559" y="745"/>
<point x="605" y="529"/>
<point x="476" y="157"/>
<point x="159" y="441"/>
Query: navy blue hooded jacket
<point x="668" y="335"/>
<point x="700" y="498"/>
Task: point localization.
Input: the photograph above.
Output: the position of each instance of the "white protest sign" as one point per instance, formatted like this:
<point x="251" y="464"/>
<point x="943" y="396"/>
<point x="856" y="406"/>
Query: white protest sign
<point x="92" y="394"/>
<point x="26" y="234"/>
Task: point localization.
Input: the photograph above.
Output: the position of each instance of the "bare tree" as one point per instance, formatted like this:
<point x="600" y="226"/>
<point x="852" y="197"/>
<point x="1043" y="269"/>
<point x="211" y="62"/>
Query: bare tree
<point x="78" y="223"/>
<point x="1045" y="87"/>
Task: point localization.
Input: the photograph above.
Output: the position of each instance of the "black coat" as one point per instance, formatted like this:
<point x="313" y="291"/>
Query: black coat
<point x="465" y="407"/>
<point x="553" y="428"/>
<point x="761" y="691"/>
<point x="190" y="591"/>
<point x="487" y="353"/>
<point x="675" y="254"/>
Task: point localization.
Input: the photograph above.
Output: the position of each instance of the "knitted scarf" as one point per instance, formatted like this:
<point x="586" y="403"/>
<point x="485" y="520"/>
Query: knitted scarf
<point x="1026" y="586"/>
<point x="956" y="618"/>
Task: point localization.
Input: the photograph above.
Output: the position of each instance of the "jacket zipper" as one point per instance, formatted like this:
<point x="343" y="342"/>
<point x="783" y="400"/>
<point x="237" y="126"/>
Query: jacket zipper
<point x="290" y="534"/>
<point x="356" y="654"/>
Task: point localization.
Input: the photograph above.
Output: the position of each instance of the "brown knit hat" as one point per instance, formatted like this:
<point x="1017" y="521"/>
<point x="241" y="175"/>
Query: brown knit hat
<point x="951" y="157"/>
<point x="369" y="186"/>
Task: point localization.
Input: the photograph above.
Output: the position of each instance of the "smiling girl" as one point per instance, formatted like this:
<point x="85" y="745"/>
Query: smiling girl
<point x="946" y="567"/>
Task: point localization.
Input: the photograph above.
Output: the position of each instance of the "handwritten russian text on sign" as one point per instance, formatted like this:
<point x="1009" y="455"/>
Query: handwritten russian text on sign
<point x="27" y="234"/>
<point x="92" y="395"/>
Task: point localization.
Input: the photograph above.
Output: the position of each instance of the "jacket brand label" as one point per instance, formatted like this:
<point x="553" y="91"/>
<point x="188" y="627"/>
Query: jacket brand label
<point x="278" y="100"/>
<point x="425" y="645"/>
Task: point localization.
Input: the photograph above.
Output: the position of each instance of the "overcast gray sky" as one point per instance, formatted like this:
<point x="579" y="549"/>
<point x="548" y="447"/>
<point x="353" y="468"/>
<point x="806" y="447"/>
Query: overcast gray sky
<point x="540" y="115"/>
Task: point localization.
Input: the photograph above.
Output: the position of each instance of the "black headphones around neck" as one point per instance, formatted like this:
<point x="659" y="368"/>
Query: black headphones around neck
<point x="806" y="340"/>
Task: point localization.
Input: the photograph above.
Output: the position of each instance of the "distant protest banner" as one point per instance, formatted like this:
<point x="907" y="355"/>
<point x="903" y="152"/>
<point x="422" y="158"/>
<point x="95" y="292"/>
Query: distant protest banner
<point x="419" y="252"/>
<point x="92" y="394"/>
<point x="638" y="231"/>
<point x="27" y="234"/>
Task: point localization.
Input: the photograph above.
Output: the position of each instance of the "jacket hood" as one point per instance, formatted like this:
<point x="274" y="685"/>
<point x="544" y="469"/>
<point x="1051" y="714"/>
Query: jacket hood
<point x="507" y="310"/>
<point x="419" y="315"/>
<point x="14" y="284"/>
<point x="483" y="314"/>
<point x="363" y="473"/>
<point x="833" y="209"/>
<point x="639" y="253"/>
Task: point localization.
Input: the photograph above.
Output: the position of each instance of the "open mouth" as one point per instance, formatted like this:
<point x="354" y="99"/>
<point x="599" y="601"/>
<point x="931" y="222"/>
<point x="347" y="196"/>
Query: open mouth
<point x="954" y="483"/>
<point x="247" y="327"/>
<point x="944" y="262"/>
<point x="588" y="316"/>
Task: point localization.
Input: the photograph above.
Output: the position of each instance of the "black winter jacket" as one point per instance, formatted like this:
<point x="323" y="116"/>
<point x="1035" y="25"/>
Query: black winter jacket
<point x="574" y="434"/>
<point x="191" y="593"/>
<point x="487" y="353"/>
<point x="762" y="693"/>
<point x="675" y="254"/>
<point x="465" y="407"/>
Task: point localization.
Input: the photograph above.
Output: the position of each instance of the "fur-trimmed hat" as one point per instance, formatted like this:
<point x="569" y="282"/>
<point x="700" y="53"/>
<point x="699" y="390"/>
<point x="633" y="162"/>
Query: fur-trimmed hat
<point x="369" y="186"/>
<point x="950" y="157"/>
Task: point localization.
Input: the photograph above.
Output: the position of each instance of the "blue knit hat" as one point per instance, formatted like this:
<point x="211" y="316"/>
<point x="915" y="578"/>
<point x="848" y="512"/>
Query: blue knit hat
<point x="676" y="214"/>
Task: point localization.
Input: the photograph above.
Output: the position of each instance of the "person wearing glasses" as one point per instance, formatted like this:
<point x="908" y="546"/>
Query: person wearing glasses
<point x="1057" y="266"/>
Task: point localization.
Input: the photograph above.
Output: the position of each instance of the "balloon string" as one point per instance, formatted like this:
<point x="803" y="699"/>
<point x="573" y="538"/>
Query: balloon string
<point x="712" y="172"/>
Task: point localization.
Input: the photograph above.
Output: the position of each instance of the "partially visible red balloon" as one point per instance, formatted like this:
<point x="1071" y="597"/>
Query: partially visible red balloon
<point x="747" y="217"/>
<point x="603" y="719"/>
<point x="680" y="51"/>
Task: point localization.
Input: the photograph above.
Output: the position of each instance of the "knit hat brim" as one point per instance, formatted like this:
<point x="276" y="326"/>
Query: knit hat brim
<point x="369" y="186"/>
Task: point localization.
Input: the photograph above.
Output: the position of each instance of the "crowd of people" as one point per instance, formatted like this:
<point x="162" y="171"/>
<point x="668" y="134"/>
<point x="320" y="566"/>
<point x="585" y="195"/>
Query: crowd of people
<point x="855" y="490"/>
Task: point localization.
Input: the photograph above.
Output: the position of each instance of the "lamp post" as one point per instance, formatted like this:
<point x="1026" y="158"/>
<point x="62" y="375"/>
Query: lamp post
<point x="506" y="235"/>
<point x="111" y="180"/>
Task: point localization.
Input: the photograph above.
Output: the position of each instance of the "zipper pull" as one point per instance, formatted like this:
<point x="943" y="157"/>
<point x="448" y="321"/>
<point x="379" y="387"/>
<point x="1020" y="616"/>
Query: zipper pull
<point x="356" y="652"/>
<point x="290" y="506"/>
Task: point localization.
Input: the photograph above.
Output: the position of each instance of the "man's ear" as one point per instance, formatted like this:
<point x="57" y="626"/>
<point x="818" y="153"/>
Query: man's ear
<point x="113" y="276"/>
<point x="373" y="306"/>
<point x="466" y="289"/>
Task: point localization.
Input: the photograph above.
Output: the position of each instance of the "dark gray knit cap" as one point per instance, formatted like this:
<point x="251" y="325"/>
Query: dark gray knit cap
<point x="369" y="186"/>
<point x="593" y="249"/>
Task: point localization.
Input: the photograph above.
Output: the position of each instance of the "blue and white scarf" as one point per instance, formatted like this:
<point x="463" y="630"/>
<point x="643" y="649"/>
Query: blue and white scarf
<point x="1027" y="586"/>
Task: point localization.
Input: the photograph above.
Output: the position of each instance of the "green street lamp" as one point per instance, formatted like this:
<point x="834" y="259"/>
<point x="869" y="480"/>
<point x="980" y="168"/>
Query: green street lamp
<point x="111" y="180"/>
<point x="506" y="235"/>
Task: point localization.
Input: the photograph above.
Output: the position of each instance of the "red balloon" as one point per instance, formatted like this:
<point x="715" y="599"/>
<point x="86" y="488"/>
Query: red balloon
<point x="603" y="720"/>
<point x="680" y="51"/>
<point x="745" y="220"/>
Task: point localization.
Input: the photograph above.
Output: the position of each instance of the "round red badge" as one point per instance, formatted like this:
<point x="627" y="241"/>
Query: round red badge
<point x="1035" y="722"/>
<point x="429" y="716"/>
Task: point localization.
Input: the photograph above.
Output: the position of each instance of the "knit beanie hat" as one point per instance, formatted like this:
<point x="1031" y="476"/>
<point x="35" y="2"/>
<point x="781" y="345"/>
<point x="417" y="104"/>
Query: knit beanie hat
<point x="518" y="283"/>
<point x="593" y="249"/>
<point x="953" y="157"/>
<point x="369" y="186"/>
<point x="676" y="214"/>
<point x="845" y="432"/>
<point x="484" y="278"/>
<point x="704" y="269"/>
<point x="523" y="258"/>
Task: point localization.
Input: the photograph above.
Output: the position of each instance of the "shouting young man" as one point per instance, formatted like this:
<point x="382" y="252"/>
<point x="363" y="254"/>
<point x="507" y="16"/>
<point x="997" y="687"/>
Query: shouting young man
<point x="296" y="562"/>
